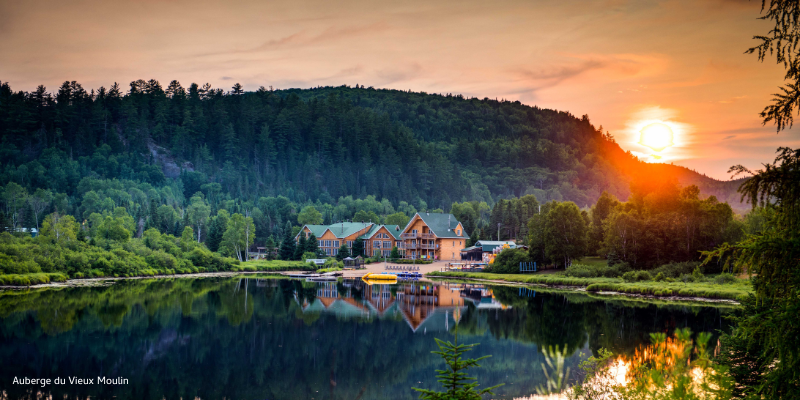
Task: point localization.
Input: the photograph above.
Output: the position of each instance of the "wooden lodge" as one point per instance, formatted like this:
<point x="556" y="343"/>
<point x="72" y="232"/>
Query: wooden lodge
<point x="378" y="239"/>
<point x="432" y="236"/>
<point x="428" y="236"/>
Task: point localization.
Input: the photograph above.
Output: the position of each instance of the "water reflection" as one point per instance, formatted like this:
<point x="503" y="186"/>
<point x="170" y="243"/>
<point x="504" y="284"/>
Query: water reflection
<point x="277" y="338"/>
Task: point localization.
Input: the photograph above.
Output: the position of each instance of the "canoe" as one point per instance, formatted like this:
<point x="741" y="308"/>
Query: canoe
<point x="374" y="276"/>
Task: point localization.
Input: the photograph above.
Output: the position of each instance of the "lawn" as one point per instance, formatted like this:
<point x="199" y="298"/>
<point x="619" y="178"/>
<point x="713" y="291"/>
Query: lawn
<point x="705" y="289"/>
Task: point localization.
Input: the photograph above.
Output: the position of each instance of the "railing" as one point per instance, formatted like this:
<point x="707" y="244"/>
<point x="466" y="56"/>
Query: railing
<point x="411" y="245"/>
<point x="428" y="246"/>
<point x="417" y="236"/>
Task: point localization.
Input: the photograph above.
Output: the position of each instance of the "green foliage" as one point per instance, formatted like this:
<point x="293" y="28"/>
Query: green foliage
<point x="398" y="218"/>
<point x="309" y="216"/>
<point x="456" y="383"/>
<point x="767" y="330"/>
<point x="661" y="223"/>
<point x="395" y="253"/>
<point x="668" y="369"/>
<point x="507" y="262"/>
<point x="31" y="279"/>
<point x="344" y="252"/>
<point x="238" y="236"/>
<point x="358" y="248"/>
<point x="734" y="291"/>
<point x="154" y="253"/>
<point x="636" y="276"/>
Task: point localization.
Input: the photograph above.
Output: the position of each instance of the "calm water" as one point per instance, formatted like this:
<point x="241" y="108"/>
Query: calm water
<point x="229" y="338"/>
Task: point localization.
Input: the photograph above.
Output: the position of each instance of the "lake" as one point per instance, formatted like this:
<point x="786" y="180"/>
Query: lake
<point x="272" y="338"/>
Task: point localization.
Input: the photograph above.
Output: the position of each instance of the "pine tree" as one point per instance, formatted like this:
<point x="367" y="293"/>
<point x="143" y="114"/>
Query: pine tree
<point x="287" y="246"/>
<point x="270" y="245"/>
<point x="301" y="247"/>
<point x="312" y="246"/>
<point x="344" y="252"/>
<point x="358" y="247"/>
<point x="457" y="385"/>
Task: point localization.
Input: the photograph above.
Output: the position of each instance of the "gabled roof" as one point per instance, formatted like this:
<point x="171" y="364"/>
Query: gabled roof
<point x="442" y="225"/>
<point x="394" y="230"/>
<point x="317" y="230"/>
<point x="345" y="229"/>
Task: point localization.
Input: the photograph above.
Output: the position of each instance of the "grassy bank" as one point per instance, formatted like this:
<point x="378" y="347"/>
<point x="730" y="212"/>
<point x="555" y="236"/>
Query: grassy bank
<point x="31" y="279"/>
<point x="274" y="266"/>
<point x="708" y="290"/>
<point x="250" y="266"/>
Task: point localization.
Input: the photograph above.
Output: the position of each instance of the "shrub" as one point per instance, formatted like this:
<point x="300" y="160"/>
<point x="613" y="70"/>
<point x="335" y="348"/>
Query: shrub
<point x="643" y="276"/>
<point x="659" y="277"/>
<point x="507" y="262"/>
<point x="724" y="279"/>
<point x="582" y="271"/>
<point x="636" y="276"/>
<point x="675" y="270"/>
<point x="616" y="270"/>
<point x="697" y="275"/>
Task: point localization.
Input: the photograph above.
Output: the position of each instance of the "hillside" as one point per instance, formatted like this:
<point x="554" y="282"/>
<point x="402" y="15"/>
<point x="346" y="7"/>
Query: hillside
<point x="311" y="145"/>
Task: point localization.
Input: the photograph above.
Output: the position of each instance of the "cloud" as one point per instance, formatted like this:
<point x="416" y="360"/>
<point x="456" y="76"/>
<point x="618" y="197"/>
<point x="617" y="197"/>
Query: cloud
<point x="396" y="74"/>
<point x="226" y="78"/>
<point x="554" y="76"/>
<point x="305" y="38"/>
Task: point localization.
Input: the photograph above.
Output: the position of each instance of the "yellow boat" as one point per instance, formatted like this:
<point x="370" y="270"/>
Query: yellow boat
<point x="381" y="277"/>
<point x="379" y="281"/>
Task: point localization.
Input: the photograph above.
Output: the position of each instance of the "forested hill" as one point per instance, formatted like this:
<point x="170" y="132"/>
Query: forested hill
<point x="312" y="144"/>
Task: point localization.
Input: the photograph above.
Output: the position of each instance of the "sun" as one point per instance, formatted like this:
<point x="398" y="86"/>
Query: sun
<point x="656" y="136"/>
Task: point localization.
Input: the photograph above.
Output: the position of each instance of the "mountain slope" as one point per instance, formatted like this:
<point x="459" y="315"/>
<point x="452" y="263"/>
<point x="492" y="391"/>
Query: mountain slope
<point x="313" y="145"/>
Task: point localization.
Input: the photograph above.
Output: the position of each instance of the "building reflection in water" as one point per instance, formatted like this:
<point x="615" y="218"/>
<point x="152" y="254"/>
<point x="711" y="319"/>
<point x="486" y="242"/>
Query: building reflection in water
<point x="424" y="306"/>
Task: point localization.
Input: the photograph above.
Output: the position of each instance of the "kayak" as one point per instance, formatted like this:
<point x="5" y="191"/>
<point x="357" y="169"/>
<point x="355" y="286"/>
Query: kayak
<point x="378" y="281"/>
<point x="374" y="276"/>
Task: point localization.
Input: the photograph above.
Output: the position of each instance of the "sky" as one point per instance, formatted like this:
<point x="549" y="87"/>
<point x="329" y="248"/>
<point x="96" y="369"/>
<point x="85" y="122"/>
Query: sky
<point x="625" y="64"/>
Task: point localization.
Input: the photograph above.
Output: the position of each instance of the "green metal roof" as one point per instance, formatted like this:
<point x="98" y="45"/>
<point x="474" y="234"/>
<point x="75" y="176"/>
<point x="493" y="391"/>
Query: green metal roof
<point x="489" y="245"/>
<point x="394" y="230"/>
<point x="442" y="225"/>
<point x="344" y="229"/>
<point x="317" y="230"/>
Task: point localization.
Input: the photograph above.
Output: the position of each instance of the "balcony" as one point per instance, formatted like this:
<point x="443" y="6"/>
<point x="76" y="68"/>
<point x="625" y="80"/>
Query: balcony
<point x="417" y="236"/>
<point x="428" y="246"/>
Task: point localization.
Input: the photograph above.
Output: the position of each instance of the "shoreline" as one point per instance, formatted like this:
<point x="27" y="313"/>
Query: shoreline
<point x="583" y="289"/>
<point x="105" y="281"/>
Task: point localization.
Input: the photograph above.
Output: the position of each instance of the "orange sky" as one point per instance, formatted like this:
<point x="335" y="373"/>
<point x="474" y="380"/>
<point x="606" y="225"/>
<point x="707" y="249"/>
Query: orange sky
<point x="623" y="63"/>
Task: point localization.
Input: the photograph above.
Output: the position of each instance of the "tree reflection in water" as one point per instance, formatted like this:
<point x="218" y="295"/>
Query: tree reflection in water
<point x="277" y="338"/>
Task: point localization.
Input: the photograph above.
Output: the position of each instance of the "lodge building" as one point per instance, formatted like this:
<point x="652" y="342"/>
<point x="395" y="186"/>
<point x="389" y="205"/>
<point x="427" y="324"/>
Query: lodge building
<point x="427" y="236"/>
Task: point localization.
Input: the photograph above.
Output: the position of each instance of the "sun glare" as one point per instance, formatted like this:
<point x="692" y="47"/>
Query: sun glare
<point x="656" y="136"/>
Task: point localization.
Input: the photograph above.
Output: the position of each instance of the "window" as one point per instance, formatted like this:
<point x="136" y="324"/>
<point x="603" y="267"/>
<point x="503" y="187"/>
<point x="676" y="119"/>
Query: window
<point x="458" y="232"/>
<point x="335" y="251"/>
<point x="376" y="244"/>
<point x="387" y="244"/>
<point x="350" y="244"/>
<point x="328" y="252"/>
<point x="336" y="244"/>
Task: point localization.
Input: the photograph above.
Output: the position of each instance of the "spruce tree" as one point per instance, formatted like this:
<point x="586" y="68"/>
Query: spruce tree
<point x="300" y="248"/>
<point x="312" y="246"/>
<point x="287" y="246"/>
<point x="344" y="252"/>
<point x="270" y="245"/>
<point x="358" y="247"/>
